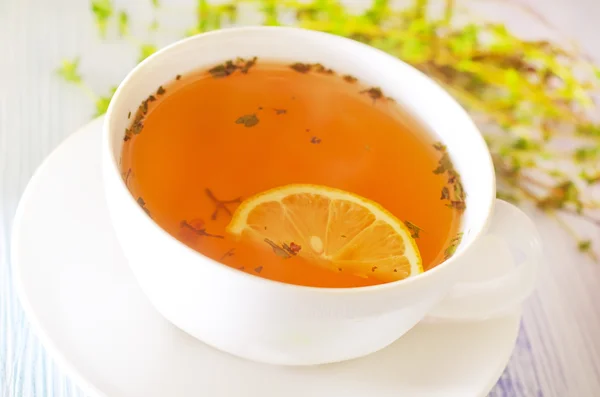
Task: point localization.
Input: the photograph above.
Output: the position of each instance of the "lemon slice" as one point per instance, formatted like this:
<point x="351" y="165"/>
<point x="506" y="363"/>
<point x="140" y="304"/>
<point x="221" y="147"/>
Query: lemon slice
<point x="332" y="228"/>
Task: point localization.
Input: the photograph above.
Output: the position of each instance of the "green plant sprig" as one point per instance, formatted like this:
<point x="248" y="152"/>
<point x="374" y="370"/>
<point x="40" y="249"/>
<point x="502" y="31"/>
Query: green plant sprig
<point x="524" y="95"/>
<point x="69" y="71"/>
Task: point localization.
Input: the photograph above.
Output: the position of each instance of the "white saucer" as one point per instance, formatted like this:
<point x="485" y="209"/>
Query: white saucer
<point x="86" y="307"/>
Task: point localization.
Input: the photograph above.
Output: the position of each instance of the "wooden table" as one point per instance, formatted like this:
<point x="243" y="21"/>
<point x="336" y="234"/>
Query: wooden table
<point x="558" y="349"/>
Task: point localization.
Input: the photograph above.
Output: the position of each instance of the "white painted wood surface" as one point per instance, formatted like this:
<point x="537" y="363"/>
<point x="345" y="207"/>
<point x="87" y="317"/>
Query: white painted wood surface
<point x="558" y="350"/>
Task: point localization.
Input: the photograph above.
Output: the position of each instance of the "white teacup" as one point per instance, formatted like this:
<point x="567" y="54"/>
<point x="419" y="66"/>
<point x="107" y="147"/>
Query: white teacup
<point x="278" y="323"/>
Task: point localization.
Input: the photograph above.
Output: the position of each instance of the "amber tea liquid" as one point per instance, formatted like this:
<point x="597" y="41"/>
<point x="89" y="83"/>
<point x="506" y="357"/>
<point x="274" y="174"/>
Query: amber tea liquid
<point x="206" y="141"/>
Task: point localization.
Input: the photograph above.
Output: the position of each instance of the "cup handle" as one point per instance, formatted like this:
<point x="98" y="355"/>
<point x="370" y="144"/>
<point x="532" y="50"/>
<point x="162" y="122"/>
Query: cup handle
<point x="511" y="239"/>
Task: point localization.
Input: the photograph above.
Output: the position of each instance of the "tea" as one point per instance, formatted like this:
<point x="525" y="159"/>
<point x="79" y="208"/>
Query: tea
<point x="202" y="144"/>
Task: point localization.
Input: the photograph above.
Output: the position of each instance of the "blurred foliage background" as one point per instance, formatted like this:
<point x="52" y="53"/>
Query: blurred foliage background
<point x="535" y="101"/>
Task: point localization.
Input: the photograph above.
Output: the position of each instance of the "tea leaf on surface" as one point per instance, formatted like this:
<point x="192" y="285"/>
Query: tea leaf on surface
<point x="229" y="67"/>
<point x="301" y="67"/>
<point x="322" y="69"/>
<point x="126" y="178"/>
<point x="227" y="254"/>
<point x="439" y="147"/>
<point x="374" y="92"/>
<point x="245" y="65"/>
<point x="198" y="229"/>
<point x="277" y="250"/>
<point x="445" y="193"/>
<point x="454" y="243"/>
<point x="459" y="192"/>
<point x="414" y="229"/>
<point x="445" y="167"/>
<point x="248" y="120"/>
<point x="222" y="70"/>
<point x="142" y="204"/>
<point x="221" y="205"/>
<point x="457" y="205"/>
<point x="295" y="248"/>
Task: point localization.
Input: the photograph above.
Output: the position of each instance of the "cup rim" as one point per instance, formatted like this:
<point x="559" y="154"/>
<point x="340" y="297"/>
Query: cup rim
<point x="107" y="141"/>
